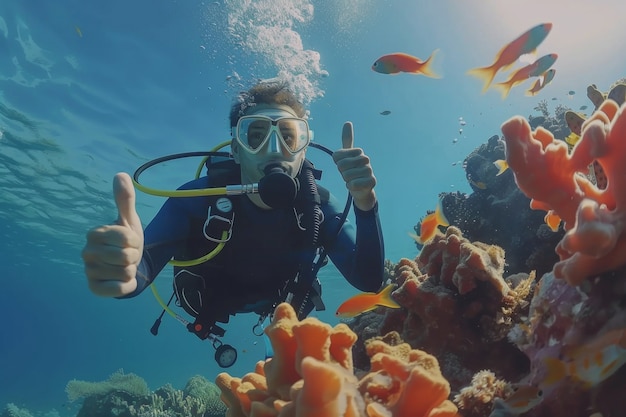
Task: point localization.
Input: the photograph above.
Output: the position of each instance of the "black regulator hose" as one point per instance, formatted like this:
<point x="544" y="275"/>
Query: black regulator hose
<point x="309" y="200"/>
<point x="309" y="204"/>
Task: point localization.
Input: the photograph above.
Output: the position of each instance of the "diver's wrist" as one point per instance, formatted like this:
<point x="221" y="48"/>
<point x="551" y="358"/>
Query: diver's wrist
<point x="367" y="202"/>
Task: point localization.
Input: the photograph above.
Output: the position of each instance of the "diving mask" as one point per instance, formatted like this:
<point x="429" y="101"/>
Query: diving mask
<point x="252" y="132"/>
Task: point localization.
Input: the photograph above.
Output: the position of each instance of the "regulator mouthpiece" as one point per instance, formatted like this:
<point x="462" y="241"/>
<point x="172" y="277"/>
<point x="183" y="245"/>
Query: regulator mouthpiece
<point x="277" y="189"/>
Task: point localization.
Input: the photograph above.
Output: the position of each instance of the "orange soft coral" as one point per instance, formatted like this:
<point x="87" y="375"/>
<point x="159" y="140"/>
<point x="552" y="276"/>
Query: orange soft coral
<point x="311" y="375"/>
<point x="405" y="382"/>
<point x="595" y="220"/>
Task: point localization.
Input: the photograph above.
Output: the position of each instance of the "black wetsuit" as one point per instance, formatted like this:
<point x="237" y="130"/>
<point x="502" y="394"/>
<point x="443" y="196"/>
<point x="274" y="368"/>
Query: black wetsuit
<point x="264" y="250"/>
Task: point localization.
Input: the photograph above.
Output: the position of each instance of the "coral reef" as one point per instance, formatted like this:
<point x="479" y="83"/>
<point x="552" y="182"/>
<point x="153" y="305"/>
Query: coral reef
<point x="594" y="220"/>
<point x="590" y="299"/>
<point x="118" y="381"/>
<point x="555" y="123"/>
<point x="127" y="395"/>
<point x="12" y="410"/>
<point x="477" y="399"/>
<point x="463" y="305"/>
<point x="563" y="316"/>
<point x="485" y="215"/>
<point x="459" y="307"/>
<point x="311" y="374"/>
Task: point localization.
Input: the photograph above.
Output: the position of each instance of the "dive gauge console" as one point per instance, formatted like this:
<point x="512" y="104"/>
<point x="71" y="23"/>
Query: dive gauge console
<point x="225" y="356"/>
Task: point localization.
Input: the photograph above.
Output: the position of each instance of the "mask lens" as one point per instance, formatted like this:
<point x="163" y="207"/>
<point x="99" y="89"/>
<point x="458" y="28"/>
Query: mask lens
<point x="294" y="133"/>
<point x="253" y="131"/>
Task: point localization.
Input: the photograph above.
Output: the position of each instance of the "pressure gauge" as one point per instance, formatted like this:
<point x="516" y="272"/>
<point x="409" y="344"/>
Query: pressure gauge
<point x="225" y="356"/>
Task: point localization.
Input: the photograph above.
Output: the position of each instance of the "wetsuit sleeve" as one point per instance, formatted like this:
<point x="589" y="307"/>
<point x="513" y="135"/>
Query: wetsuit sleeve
<point x="358" y="254"/>
<point x="163" y="235"/>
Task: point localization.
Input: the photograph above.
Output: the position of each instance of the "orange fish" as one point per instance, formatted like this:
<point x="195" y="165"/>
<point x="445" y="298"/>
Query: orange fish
<point x="367" y="301"/>
<point x="401" y="62"/>
<point x="524" y="44"/>
<point x="523" y="399"/>
<point x="531" y="70"/>
<point x="591" y="363"/>
<point x="429" y="224"/>
<point x="544" y="79"/>
<point x="553" y="220"/>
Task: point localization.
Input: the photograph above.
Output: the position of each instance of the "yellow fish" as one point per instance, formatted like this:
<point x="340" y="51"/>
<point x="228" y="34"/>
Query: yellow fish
<point x="367" y="301"/>
<point x="478" y="184"/>
<point x="572" y="139"/>
<point x="78" y="31"/>
<point x="502" y="166"/>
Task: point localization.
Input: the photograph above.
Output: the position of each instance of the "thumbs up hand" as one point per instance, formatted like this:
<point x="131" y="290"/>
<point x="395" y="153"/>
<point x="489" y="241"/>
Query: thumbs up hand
<point x="356" y="170"/>
<point x="113" y="252"/>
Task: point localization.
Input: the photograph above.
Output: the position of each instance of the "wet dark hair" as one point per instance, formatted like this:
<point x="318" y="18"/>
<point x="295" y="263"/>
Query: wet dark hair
<point x="265" y="92"/>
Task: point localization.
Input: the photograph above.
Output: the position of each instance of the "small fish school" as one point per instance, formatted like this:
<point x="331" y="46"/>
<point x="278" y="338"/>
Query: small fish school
<point x="525" y="44"/>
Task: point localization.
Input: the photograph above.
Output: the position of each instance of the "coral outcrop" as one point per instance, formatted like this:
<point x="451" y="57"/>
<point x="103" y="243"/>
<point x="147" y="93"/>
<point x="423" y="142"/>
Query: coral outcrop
<point x="477" y="399"/>
<point x="594" y="220"/>
<point x="127" y="395"/>
<point x="584" y="296"/>
<point x="12" y="410"/>
<point x="486" y="215"/>
<point x="459" y="307"/>
<point x="555" y="123"/>
<point x="119" y="381"/>
<point x="562" y="316"/>
<point x="311" y="374"/>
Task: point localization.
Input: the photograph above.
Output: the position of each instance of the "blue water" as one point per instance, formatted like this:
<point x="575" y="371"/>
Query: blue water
<point x="88" y="89"/>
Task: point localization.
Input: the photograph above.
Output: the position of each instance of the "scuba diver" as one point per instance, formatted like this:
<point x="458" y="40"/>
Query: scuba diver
<point x="247" y="252"/>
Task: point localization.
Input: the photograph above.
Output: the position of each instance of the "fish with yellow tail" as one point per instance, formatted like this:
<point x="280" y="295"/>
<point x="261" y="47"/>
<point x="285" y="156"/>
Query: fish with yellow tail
<point x="543" y="80"/>
<point x="367" y="301"/>
<point x="571" y="140"/>
<point x="531" y="70"/>
<point x="429" y="224"/>
<point x="591" y="363"/>
<point x="526" y="43"/>
<point x="502" y="166"/>
<point x="401" y="62"/>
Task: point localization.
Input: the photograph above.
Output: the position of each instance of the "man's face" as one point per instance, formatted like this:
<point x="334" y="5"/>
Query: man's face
<point x="273" y="151"/>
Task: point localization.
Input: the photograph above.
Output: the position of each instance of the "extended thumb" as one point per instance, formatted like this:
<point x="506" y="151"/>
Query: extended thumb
<point x="124" y="193"/>
<point x="347" y="136"/>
